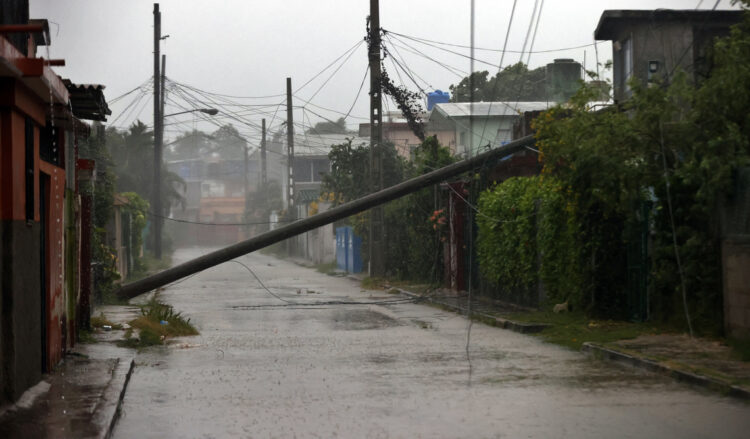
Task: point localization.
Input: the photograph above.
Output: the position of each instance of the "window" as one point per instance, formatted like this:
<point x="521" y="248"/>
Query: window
<point x="320" y="167"/>
<point x="302" y="170"/>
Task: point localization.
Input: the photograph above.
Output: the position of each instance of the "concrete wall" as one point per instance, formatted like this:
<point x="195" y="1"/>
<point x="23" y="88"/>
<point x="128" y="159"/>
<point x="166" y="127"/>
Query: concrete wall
<point x="21" y="322"/>
<point x="668" y="43"/>
<point x="483" y="131"/>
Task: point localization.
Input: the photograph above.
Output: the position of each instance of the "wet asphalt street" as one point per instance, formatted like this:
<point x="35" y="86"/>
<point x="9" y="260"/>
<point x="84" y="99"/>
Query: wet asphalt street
<point x="265" y="368"/>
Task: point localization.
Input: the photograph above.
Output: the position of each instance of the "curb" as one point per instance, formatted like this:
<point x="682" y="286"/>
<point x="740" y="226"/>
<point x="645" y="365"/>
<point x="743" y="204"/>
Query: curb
<point x="660" y="368"/>
<point x="113" y="397"/>
<point x="499" y="322"/>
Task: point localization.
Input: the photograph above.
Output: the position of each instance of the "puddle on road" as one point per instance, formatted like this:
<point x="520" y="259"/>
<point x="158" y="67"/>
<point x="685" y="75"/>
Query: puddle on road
<point x="361" y="319"/>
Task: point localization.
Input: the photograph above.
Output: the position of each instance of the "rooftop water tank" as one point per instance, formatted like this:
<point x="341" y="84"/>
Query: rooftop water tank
<point x="563" y="79"/>
<point x="437" y="97"/>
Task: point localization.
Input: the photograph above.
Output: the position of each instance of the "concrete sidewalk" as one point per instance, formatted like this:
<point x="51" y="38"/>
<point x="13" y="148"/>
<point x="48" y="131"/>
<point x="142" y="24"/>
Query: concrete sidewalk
<point x="81" y="398"/>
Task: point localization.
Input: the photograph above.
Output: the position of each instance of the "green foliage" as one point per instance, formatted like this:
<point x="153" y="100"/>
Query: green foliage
<point x="679" y="137"/>
<point x="133" y="154"/>
<point x="513" y="83"/>
<point x="102" y="191"/>
<point x="349" y="176"/>
<point x="527" y="234"/>
<point x="413" y="228"/>
<point x="151" y="329"/>
<point x="138" y="208"/>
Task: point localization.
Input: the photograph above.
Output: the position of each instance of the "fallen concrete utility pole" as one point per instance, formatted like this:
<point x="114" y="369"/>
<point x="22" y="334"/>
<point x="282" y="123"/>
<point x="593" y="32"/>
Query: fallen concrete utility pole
<point x="351" y="208"/>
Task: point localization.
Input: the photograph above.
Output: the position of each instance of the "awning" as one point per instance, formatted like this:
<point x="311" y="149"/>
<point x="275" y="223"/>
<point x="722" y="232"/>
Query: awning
<point x="87" y="101"/>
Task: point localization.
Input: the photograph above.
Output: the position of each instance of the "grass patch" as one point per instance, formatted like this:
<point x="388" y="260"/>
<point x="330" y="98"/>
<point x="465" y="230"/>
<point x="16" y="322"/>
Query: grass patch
<point x="740" y="348"/>
<point x="157" y="323"/>
<point x="86" y="337"/>
<point x="575" y="328"/>
<point x="100" y="321"/>
<point x="329" y="268"/>
<point x="373" y="283"/>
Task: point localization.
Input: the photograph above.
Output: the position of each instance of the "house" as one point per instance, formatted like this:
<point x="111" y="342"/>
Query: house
<point x="310" y="163"/>
<point x="215" y="193"/>
<point x="397" y="131"/>
<point x="480" y="125"/>
<point x="652" y="45"/>
<point x="41" y="212"/>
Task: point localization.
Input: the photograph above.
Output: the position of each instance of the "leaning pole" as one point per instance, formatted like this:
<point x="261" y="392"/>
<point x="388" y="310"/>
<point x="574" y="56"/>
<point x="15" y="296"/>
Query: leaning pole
<point x="351" y="208"/>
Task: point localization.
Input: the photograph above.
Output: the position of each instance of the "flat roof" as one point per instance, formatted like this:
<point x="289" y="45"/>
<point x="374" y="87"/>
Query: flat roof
<point x="479" y="109"/>
<point x="612" y="19"/>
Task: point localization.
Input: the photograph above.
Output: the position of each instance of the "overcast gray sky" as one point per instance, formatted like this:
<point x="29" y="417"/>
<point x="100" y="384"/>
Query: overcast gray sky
<point x="249" y="47"/>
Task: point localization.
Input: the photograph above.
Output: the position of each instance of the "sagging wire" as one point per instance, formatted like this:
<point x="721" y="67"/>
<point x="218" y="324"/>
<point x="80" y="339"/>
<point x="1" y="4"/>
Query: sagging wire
<point x="317" y="303"/>
<point x="425" y="41"/>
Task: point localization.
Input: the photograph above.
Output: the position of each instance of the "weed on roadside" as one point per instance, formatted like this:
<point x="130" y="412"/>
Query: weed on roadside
<point x="157" y="323"/>
<point x="329" y="268"/>
<point x="85" y="337"/>
<point x="101" y="321"/>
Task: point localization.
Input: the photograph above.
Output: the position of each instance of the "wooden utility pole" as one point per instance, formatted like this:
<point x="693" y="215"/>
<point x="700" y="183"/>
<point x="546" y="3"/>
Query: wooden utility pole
<point x="263" y="174"/>
<point x="156" y="196"/>
<point x="376" y="235"/>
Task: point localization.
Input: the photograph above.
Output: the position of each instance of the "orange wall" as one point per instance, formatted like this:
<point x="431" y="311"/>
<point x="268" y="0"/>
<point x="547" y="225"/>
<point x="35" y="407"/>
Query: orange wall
<point x="15" y="104"/>
<point x="55" y="260"/>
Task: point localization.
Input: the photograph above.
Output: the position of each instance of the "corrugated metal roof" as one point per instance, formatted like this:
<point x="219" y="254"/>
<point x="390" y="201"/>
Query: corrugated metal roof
<point x="491" y="109"/>
<point x="87" y="101"/>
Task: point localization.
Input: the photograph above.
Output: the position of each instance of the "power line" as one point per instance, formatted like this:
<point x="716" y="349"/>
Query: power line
<point x="333" y="73"/>
<point x="425" y="40"/>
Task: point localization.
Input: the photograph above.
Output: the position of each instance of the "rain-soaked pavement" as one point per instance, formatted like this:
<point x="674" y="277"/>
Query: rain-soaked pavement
<point x="265" y="368"/>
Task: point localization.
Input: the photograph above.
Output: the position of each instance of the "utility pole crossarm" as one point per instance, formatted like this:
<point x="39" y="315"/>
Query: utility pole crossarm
<point x="352" y="208"/>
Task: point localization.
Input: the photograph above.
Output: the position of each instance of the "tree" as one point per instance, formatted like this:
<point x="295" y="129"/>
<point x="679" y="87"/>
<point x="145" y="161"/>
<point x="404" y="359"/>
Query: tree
<point x="677" y="145"/>
<point x="329" y="127"/>
<point x="189" y="145"/>
<point x="514" y="83"/>
<point x="228" y="143"/>
<point x="412" y="232"/>
<point x="133" y="155"/>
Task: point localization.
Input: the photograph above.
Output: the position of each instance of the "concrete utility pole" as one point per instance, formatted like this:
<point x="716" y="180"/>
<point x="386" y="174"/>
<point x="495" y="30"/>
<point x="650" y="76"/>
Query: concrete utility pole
<point x="298" y="227"/>
<point x="291" y="208"/>
<point x="246" y="153"/>
<point x="376" y="235"/>
<point x="263" y="172"/>
<point x="156" y="208"/>
<point x="290" y="146"/>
